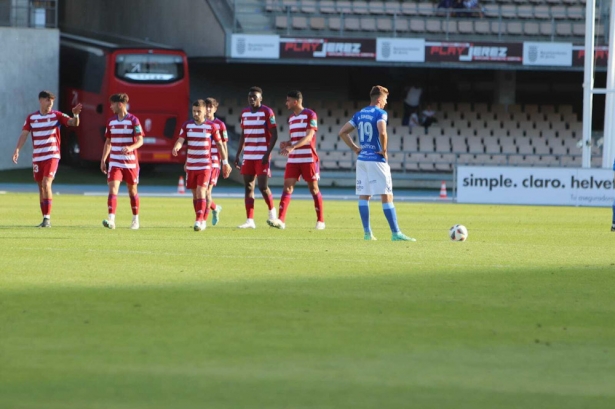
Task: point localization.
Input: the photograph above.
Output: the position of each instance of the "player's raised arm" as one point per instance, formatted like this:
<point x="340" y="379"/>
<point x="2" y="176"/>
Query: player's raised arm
<point x="344" y="134"/>
<point x="20" y="143"/>
<point x="74" y="121"/>
<point x="382" y="130"/>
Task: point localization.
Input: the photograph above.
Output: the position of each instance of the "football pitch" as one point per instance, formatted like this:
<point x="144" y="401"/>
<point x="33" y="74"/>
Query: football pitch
<point x="522" y="315"/>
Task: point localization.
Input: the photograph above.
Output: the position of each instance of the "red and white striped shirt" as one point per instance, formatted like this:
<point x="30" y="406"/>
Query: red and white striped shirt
<point x="123" y="133"/>
<point x="45" y="131"/>
<point x="200" y="139"/>
<point x="257" y="128"/>
<point x="298" y="126"/>
<point x="215" y="158"/>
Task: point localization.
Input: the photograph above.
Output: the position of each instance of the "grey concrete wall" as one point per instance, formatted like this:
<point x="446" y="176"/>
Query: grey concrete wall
<point x="29" y="63"/>
<point x="186" y="24"/>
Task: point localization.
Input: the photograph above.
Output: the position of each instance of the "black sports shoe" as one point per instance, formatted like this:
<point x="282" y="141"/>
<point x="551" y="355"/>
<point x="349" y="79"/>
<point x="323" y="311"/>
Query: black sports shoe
<point x="45" y="223"/>
<point x="613" y="227"/>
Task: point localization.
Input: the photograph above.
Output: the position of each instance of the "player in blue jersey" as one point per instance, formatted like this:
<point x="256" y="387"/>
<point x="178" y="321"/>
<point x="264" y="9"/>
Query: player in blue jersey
<point x="373" y="171"/>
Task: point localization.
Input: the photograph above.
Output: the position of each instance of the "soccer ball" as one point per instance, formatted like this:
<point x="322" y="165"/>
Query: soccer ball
<point x="458" y="233"/>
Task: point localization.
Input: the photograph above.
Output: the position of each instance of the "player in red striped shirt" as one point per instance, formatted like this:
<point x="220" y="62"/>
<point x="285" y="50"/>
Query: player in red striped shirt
<point x="44" y="125"/>
<point x="302" y="158"/>
<point x="123" y="137"/>
<point x="211" y="106"/>
<point x="200" y="133"/>
<point x="258" y="137"/>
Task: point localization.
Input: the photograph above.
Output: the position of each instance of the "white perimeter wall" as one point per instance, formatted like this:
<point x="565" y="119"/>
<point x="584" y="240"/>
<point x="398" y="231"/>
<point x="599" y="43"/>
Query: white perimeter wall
<point x="29" y="63"/>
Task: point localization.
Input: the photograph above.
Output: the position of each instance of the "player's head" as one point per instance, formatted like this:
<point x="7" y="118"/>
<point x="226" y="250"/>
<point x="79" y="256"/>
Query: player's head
<point x="294" y="99"/>
<point x="45" y="99"/>
<point x="119" y="103"/>
<point x="378" y="96"/>
<point x="198" y="110"/>
<point x="211" y="106"/>
<point x="255" y="97"/>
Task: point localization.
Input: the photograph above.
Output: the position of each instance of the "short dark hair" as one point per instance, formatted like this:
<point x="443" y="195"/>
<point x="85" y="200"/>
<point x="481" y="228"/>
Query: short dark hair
<point x="212" y="101"/>
<point x="199" y="103"/>
<point x="295" y="94"/>
<point x="46" y="94"/>
<point x="378" y="90"/>
<point x="256" y="89"/>
<point x="119" y="98"/>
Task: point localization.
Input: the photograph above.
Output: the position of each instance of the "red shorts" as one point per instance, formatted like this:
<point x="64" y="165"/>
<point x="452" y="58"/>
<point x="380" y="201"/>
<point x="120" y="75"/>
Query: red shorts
<point x="309" y="171"/>
<point x="45" y="169"/>
<point x="255" y="167"/>
<point x="130" y="176"/>
<point x="198" y="178"/>
<point x="215" y="174"/>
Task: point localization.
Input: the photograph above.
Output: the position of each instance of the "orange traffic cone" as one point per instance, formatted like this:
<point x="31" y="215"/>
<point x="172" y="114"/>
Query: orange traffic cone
<point x="443" y="190"/>
<point x="181" y="188"/>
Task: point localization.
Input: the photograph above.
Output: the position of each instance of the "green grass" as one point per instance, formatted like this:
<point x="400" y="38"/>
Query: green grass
<point x="520" y="316"/>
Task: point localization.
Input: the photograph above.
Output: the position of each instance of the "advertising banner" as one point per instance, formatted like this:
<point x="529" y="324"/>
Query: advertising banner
<point x="535" y="186"/>
<point x="474" y="52"/>
<point x="255" y="46"/>
<point x="328" y="48"/>
<point x="549" y="54"/>
<point x="400" y="49"/>
<point x="601" y="55"/>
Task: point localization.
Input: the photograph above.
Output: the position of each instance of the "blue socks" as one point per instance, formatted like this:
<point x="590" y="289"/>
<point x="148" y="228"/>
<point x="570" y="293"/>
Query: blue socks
<point x="364" y="212"/>
<point x="391" y="215"/>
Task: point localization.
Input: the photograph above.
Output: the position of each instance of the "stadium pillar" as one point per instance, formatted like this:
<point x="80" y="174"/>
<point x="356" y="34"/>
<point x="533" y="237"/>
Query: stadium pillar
<point x="588" y="81"/>
<point x="608" y="146"/>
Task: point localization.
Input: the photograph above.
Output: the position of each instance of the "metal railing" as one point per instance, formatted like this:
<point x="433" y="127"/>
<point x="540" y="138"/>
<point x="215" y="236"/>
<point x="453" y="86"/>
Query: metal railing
<point x="29" y="13"/>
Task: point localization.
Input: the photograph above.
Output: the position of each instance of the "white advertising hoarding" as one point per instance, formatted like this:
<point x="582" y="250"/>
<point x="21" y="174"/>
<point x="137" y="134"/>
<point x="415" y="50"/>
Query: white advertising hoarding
<point x="549" y="54"/>
<point x="255" y="46"/>
<point x="400" y="49"/>
<point x="535" y="186"/>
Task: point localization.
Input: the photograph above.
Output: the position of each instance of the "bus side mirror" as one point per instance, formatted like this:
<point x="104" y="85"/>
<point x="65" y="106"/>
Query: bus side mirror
<point x="99" y="109"/>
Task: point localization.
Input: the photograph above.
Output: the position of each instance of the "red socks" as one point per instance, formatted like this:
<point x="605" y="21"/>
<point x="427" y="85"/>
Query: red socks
<point x="284" y="202"/>
<point x="112" y="203"/>
<point x="250" y="208"/>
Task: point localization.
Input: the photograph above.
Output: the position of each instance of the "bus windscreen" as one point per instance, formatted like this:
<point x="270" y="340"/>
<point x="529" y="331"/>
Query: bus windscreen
<point x="144" y="68"/>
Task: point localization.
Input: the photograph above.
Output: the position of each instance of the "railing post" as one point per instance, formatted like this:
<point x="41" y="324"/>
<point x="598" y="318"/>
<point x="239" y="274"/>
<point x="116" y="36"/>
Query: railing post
<point x="394" y="24"/>
<point x="288" y="22"/>
<point x="234" y="16"/>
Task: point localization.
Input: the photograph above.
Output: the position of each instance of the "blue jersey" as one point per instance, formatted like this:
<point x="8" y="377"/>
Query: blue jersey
<point x="366" y="123"/>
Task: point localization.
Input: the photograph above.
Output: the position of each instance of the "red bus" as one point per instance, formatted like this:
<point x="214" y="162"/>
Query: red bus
<point x="155" y="79"/>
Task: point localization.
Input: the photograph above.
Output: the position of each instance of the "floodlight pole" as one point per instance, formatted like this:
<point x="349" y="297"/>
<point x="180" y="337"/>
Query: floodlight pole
<point x="588" y="81"/>
<point x="608" y="147"/>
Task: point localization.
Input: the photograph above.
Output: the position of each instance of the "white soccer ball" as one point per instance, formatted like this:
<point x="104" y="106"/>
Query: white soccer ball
<point x="458" y="233"/>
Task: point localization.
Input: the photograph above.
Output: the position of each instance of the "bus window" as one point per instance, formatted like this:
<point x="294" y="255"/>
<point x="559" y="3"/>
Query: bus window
<point x="144" y="68"/>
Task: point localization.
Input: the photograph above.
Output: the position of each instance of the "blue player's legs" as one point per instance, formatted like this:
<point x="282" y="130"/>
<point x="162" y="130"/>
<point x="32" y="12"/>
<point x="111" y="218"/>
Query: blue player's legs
<point x="613" y="224"/>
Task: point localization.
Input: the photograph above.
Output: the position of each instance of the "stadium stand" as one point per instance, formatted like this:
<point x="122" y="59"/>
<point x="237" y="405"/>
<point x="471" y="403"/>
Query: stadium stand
<point x="517" y="135"/>
<point x="537" y="19"/>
